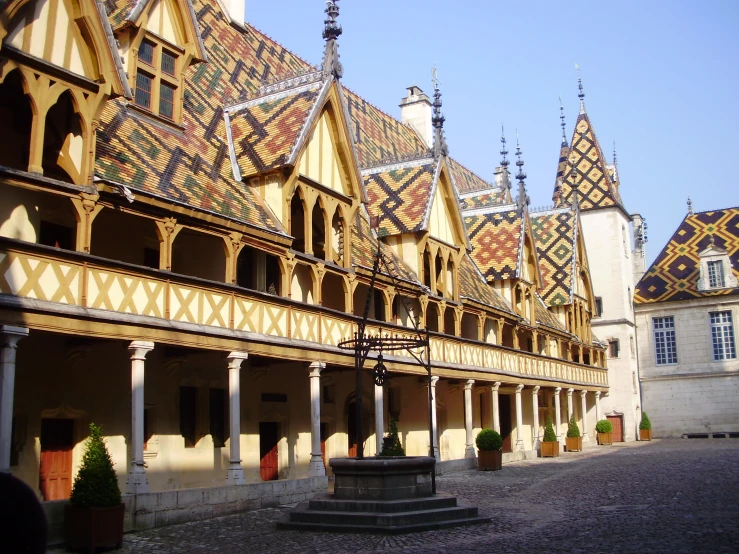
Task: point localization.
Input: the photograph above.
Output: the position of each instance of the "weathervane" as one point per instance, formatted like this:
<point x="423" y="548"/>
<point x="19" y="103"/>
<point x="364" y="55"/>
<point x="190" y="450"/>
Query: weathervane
<point x="581" y="95"/>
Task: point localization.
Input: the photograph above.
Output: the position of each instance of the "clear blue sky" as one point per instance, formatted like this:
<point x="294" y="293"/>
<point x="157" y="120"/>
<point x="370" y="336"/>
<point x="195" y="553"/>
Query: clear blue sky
<point x="661" y="79"/>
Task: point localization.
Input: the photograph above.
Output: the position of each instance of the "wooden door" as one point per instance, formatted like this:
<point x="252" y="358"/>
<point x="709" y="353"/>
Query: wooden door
<point x="617" y="435"/>
<point x="55" y="470"/>
<point x="324" y="437"/>
<point x="506" y="427"/>
<point x="268" y="439"/>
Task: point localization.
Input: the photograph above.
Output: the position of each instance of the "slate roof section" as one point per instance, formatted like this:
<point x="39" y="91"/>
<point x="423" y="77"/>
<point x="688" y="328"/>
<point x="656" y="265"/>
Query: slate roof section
<point x="675" y="272"/>
<point x="591" y="171"/>
<point x="554" y="235"/>
<point x="191" y="165"/>
<point x="496" y="236"/>
<point x="472" y="285"/>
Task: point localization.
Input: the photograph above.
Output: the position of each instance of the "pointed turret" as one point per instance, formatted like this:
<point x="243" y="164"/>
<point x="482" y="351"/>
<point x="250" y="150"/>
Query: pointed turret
<point x="505" y="179"/>
<point x="331" y="32"/>
<point x="564" y="153"/>
<point x="523" y="198"/>
<point x="440" y="147"/>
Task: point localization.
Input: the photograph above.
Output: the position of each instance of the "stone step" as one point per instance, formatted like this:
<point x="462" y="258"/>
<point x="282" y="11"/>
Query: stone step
<point x="381" y="530"/>
<point x="328" y="503"/>
<point x="399" y="519"/>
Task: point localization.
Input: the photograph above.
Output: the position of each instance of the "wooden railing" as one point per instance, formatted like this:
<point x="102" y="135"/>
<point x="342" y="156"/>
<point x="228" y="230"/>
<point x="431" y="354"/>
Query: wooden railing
<point x="53" y="275"/>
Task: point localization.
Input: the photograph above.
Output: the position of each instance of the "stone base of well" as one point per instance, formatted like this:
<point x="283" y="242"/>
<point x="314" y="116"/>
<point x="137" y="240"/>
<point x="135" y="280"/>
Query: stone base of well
<point x="391" y="478"/>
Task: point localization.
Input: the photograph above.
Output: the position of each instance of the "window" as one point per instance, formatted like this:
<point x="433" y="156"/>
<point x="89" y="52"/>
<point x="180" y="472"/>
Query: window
<point x="598" y="306"/>
<point x="143" y="89"/>
<point x="166" y="101"/>
<point x="665" y="345"/>
<point x="157" y="79"/>
<point x="393" y="404"/>
<point x="716" y="275"/>
<point x="168" y="62"/>
<point x="722" y="335"/>
<point x="613" y="348"/>
<point x="188" y="404"/>
<point x="633" y="349"/>
<point x="217" y="409"/>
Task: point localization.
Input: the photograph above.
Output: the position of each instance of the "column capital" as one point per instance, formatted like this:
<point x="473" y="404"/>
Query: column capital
<point x="434" y="380"/>
<point x="535" y="390"/>
<point x="557" y="391"/>
<point x="597" y="394"/>
<point x="496" y="386"/>
<point x="468" y="384"/>
<point x="140" y="348"/>
<point x="316" y="368"/>
<point x="519" y="388"/>
<point x="235" y="359"/>
<point x="11" y="335"/>
<point x="570" y="391"/>
<point x="583" y="393"/>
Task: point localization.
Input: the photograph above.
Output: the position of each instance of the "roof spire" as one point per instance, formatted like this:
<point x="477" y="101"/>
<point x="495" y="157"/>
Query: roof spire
<point x="331" y="32"/>
<point x="614" y="177"/>
<point x="574" y="185"/>
<point x="562" y="119"/>
<point x="437" y="120"/>
<point x="523" y="199"/>
<point x="581" y="95"/>
<point x="690" y="206"/>
<point x="504" y="151"/>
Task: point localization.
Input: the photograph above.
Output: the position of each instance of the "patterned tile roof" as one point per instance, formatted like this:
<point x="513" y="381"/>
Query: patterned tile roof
<point x="675" y="272"/>
<point x="562" y="168"/>
<point x="482" y="198"/>
<point x="118" y="10"/>
<point x="264" y="132"/>
<point x="400" y="195"/>
<point x="545" y="317"/>
<point x="472" y="285"/>
<point x="554" y="235"/>
<point x="496" y="236"/>
<point x="191" y="165"/>
<point x="591" y="176"/>
<point x="465" y="180"/>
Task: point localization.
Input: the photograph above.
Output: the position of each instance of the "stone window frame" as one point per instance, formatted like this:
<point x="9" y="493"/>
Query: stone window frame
<point x="727" y="343"/>
<point x="715" y="254"/>
<point x="663" y="329"/>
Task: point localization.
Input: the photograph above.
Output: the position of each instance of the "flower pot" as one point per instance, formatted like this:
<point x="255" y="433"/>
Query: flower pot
<point x="645" y="434"/>
<point x="573" y="444"/>
<point x="604" y="438"/>
<point x="550" y="449"/>
<point x="489" y="460"/>
<point x="93" y="527"/>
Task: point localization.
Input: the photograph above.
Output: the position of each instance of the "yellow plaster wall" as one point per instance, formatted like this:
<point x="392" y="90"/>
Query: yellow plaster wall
<point x="440" y="225"/>
<point x="19" y="217"/>
<point x="319" y="160"/>
<point x="273" y="197"/>
<point x="163" y="22"/>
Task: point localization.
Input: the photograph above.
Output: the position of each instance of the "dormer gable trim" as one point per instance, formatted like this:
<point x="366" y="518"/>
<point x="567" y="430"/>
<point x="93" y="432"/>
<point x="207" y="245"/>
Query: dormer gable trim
<point x="715" y="254"/>
<point x="458" y="221"/>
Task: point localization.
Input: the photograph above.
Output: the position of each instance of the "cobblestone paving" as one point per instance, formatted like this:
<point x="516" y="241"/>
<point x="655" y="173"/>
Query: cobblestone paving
<point x="665" y="496"/>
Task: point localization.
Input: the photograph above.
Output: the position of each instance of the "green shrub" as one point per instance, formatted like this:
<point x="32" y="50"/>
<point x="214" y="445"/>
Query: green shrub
<point x="573" y="431"/>
<point x="549" y="435"/>
<point x="391" y="443"/>
<point x="488" y="440"/>
<point x="645" y="424"/>
<point x="96" y="484"/>
<point x="604" y="426"/>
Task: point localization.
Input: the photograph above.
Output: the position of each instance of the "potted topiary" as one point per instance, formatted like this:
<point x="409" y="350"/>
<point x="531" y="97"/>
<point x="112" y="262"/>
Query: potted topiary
<point x="94" y="515"/>
<point x="550" y="444"/>
<point x="489" y="453"/>
<point x="391" y="444"/>
<point x="645" y="428"/>
<point x="604" y="428"/>
<point x="573" y="442"/>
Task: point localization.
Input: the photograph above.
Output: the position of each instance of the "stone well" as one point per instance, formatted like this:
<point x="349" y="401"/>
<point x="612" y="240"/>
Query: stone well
<point x="391" y="478"/>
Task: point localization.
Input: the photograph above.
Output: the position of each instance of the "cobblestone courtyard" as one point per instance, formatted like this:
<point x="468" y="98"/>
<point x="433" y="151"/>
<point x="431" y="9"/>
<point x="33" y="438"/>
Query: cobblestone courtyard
<point x="663" y="496"/>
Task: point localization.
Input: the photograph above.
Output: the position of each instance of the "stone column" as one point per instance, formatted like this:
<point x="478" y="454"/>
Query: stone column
<point x="535" y="401"/>
<point x="519" y="420"/>
<point x="584" y="406"/>
<point x="494" y="406"/>
<point x="137" y="481"/>
<point x="469" y="449"/>
<point x="557" y="413"/>
<point x="597" y="406"/>
<point x="434" y="426"/>
<point x="570" y="405"/>
<point x="9" y="337"/>
<point x="235" y="474"/>
<point x="379" y="416"/>
<point x="316" y="467"/>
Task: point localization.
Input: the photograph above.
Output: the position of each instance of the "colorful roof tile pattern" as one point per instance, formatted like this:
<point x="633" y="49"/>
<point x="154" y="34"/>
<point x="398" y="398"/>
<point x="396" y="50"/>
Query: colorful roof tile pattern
<point x="472" y="285"/>
<point x="118" y="10"/>
<point x="591" y="171"/>
<point x="400" y="196"/>
<point x="465" y="180"/>
<point x="192" y="165"/>
<point x="264" y="133"/>
<point x="554" y="235"/>
<point x="545" y="317"/>
<point x="483" y="199"/>
<point x="496" y="240"/>
<point x="674" y="274"/>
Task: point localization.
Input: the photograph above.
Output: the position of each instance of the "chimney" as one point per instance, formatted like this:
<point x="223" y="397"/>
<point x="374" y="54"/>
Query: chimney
<point x="502" y="178"/>
<point x="415" y="111"/>
<point x="236" y="11"/>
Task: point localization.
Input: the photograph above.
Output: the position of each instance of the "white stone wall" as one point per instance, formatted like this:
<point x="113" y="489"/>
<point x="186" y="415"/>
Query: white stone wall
<point x="697" y="394"/>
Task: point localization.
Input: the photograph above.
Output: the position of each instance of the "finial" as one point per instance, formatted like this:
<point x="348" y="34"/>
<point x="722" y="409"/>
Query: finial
<point x="562" y="119"/>
<point x="331" y="32"/>
<point x="504" y="151"/>
<point x="437" y="120"/>
<point x="575" y="190"/>
<point x="690" y="206"/>
<point x="581" y="96"/>
<point x="711" y="244"/>
<point x="614" y="177"/>
<point x="523" y="199"/>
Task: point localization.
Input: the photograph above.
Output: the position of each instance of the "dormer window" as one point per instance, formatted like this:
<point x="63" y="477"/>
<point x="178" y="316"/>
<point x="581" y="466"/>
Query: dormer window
<point x="157" y="84"/>
<point x="716" y="275"/>
<point x="715" y="269"/>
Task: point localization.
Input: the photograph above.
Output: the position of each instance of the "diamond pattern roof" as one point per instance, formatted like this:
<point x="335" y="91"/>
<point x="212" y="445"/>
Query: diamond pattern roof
<point x="496" y="240"/>
<point x="554" y="235"/>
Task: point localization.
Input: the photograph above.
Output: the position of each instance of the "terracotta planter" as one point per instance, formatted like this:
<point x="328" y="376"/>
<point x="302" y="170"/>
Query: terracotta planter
<point x="604" y="438"/>
<point x="550" y="449"/>
<point x="489" y="460"/>
<point x="573" y="444"/>
<point x="645" y="434"/>
<point x="93" y="527"/>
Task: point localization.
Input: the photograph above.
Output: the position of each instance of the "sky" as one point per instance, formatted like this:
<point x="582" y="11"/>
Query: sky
<point x="661" y="79"/>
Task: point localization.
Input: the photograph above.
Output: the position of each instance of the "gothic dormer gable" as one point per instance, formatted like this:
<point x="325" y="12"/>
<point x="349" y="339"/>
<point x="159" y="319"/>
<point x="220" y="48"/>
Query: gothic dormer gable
<point x="443" y="218"/>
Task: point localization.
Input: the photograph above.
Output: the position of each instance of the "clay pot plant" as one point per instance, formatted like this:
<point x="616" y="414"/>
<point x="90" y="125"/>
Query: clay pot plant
<point x="489" y="454"/>
<point x="604" y="429"/>
<point x="94" y="515"/>
<point x="391" y="443"/>
<point x="645" y="428"/>
<point x="573" y="442"/>
<point x="550" y="444"/>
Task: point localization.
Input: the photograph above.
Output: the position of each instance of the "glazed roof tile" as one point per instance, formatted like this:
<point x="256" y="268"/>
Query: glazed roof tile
<point x="675" y="272"/>
<point x="496" y="236"/>
<point x="545" y="317"/>
<point x="465" y="180"/>
<point x="472" y="285"/>
<point x="554" y="235"/>
<point x="487" y="198"/>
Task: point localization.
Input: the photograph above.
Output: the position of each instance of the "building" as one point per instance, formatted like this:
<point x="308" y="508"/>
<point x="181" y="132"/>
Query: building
<point x="185" y="240"/>
<point x="687" y="308"/>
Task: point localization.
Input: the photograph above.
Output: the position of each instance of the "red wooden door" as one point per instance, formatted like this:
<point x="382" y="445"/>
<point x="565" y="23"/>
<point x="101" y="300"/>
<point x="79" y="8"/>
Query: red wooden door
<point x="55" y="470"/>
<point x="268" y="439"/>
<point x="506" y="426"/>
<point x="617" y="435"/>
